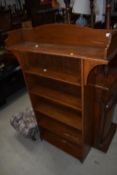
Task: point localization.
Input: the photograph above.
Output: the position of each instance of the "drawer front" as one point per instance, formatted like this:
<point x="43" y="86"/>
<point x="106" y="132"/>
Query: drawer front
<point x="61" y="130"/>
<point x="75" y="150"/>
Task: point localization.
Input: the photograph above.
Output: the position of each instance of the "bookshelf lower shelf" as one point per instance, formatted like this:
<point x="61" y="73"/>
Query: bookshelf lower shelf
<point x="62" y="98"/>
<point x="68" y="117"/>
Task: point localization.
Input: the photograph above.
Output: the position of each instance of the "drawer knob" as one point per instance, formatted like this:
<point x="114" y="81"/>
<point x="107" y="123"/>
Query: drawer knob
<point x="36" y="45"/>
<point x="71" y="53"/>
<point x="44" y="70"/>
<point x="108" y="35"/>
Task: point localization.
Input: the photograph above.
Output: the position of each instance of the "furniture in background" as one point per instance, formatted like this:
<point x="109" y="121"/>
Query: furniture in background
<point x="114" y="14"/>
<point x="5" y="20"/>
<point x="107" y="9"/>
<point x="41" y="12"/>
<point x="67" y="9"/>
<point x="11" y="78"/>
<point x="111" y="14"/>
<point x="81" y="7"/>
<point x="102" y="13"/>
<point x="11" y="18"/>
<point x="48" y="11"/>
<point x="72" y="83"/>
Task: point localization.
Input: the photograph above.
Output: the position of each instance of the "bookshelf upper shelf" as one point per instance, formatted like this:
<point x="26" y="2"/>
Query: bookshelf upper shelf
<point x="65" y="40"/>
<point x="82" y="52"/>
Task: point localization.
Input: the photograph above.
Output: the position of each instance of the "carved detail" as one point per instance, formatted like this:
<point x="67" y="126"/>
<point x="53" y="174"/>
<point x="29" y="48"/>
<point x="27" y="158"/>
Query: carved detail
<point x="88" y="65"/>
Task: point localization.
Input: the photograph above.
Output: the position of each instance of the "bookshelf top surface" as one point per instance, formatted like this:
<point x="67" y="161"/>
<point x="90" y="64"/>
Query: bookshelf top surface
<point x="65" y="40"/>
<point x="78" y="52"/>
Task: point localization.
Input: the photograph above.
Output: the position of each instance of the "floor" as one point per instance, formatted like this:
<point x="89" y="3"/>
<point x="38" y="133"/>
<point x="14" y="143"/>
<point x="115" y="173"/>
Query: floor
<point x="21" y="156"/>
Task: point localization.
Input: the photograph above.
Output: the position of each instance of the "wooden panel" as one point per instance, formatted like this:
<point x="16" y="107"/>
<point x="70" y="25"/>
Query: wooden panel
<point x="68" y="34"/>
<point x="67" y="88"/>
<point x="60" y="129"/>
<point x="58" y="97"/>
<point x="58" y="61"/>
<point x="53" y="67"/>
<point x="72" y="149"/>
<point x="72" y="51"/>
<point x="105" y="143"/>
<point x="54" y="63"/>
<point x="108" y="121"/>
<point x="46" y="73"/>
<point x="105" y="102"/>
<point x="59" y="113"/>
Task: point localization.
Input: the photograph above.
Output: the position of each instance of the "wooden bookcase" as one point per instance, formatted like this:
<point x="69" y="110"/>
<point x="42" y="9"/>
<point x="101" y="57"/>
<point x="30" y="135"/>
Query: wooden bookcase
<point x="68" y="71"/>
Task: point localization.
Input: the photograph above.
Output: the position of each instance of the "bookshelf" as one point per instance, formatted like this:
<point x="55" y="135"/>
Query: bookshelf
<point x="64" y="70"/>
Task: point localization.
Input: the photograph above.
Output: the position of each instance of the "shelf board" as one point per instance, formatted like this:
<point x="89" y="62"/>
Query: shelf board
<point x="54" y="126"/>
<point x="65" y="116"/>
<point x="105" y="82"/>
<point x="58" y="76"/>
<point x="57" y="96"/>
<point x="74" y="51"/>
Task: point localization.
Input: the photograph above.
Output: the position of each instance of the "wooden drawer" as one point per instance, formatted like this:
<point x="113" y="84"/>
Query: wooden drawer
<point x="62" y="130"/>
<point x="63" y="144"/>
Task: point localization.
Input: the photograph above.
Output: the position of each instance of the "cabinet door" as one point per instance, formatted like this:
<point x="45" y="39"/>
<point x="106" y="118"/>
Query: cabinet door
<point x="107" y="126"/>
<point x="104" y="128"/>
